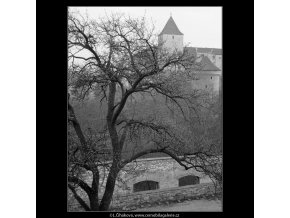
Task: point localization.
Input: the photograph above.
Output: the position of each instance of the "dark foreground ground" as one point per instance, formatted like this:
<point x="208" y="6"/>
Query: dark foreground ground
<point x="194" y="205"/>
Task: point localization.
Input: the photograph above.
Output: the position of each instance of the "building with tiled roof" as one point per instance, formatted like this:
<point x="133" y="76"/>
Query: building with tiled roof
<point x="209" y="59"/>
<point x="171" y="38"/>
<point x="214" y="54"/>
<point x="208" y="77"/>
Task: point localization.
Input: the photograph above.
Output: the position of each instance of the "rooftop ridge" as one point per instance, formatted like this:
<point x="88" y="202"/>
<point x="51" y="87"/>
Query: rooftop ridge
<point x="202" y="47"/>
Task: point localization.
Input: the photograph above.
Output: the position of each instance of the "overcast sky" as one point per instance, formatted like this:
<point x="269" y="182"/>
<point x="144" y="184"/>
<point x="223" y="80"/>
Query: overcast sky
<point x="201" y="26"/>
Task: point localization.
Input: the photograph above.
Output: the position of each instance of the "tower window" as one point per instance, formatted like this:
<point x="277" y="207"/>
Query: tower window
<point x="172" y="37"/>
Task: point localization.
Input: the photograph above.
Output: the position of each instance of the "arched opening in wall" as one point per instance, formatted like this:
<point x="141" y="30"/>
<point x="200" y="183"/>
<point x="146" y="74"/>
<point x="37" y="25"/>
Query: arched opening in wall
<point x="188" y="180"/>
<point x="145" y="186"/>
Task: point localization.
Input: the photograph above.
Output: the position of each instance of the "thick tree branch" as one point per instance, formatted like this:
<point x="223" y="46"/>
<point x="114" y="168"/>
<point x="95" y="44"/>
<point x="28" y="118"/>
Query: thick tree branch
<point x="78" y="198"/>
<point x="142" y="153"/>
<point x="77" y="127"/>
<point x="81" y="183"/>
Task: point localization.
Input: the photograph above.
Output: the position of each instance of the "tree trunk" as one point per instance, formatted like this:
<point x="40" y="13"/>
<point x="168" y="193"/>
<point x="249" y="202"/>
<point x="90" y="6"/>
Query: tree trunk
<point x="94" y="202"/>
<point x="94" y="198"/>
<point x="107" y="197"/>
<point x="111" y="179"/>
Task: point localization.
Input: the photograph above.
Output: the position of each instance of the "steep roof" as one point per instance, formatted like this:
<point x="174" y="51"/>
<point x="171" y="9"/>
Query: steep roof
<point x="207" y="65"/>
<point x="171" y="28"/>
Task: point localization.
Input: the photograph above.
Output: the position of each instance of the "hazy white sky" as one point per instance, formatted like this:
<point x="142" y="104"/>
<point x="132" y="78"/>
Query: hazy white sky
<point x="201" y="26"/>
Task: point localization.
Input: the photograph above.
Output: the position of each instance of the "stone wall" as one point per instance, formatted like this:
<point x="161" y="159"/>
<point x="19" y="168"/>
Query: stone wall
<point x="209" y="81"/>
<point x="163" y="170"/>
<point x="156" y="197"/>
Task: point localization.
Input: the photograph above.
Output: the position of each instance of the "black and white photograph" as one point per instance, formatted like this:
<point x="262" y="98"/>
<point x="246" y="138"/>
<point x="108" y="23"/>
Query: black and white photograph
<point x="145" y="109"/>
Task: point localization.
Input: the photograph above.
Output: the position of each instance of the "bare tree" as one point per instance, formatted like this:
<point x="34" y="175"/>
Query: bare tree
<point x="118" y="60"/>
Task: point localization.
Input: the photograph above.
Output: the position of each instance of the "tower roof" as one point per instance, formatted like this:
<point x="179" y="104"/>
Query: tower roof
<point x="171" y="28"/>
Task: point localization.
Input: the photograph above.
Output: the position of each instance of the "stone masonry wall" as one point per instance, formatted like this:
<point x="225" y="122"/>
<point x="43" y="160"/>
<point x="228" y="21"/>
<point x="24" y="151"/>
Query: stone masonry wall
<point x="155" y="197"/>
<point x="165" y="171"/>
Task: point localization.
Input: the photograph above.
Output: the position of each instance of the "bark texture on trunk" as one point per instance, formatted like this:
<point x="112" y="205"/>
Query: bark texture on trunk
<point x="94" y="202"/>
<point x="110" y="186"/>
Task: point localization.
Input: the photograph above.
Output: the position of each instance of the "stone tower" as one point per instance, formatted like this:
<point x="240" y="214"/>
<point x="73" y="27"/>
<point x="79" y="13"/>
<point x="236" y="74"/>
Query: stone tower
<point x="171" y="38"/>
